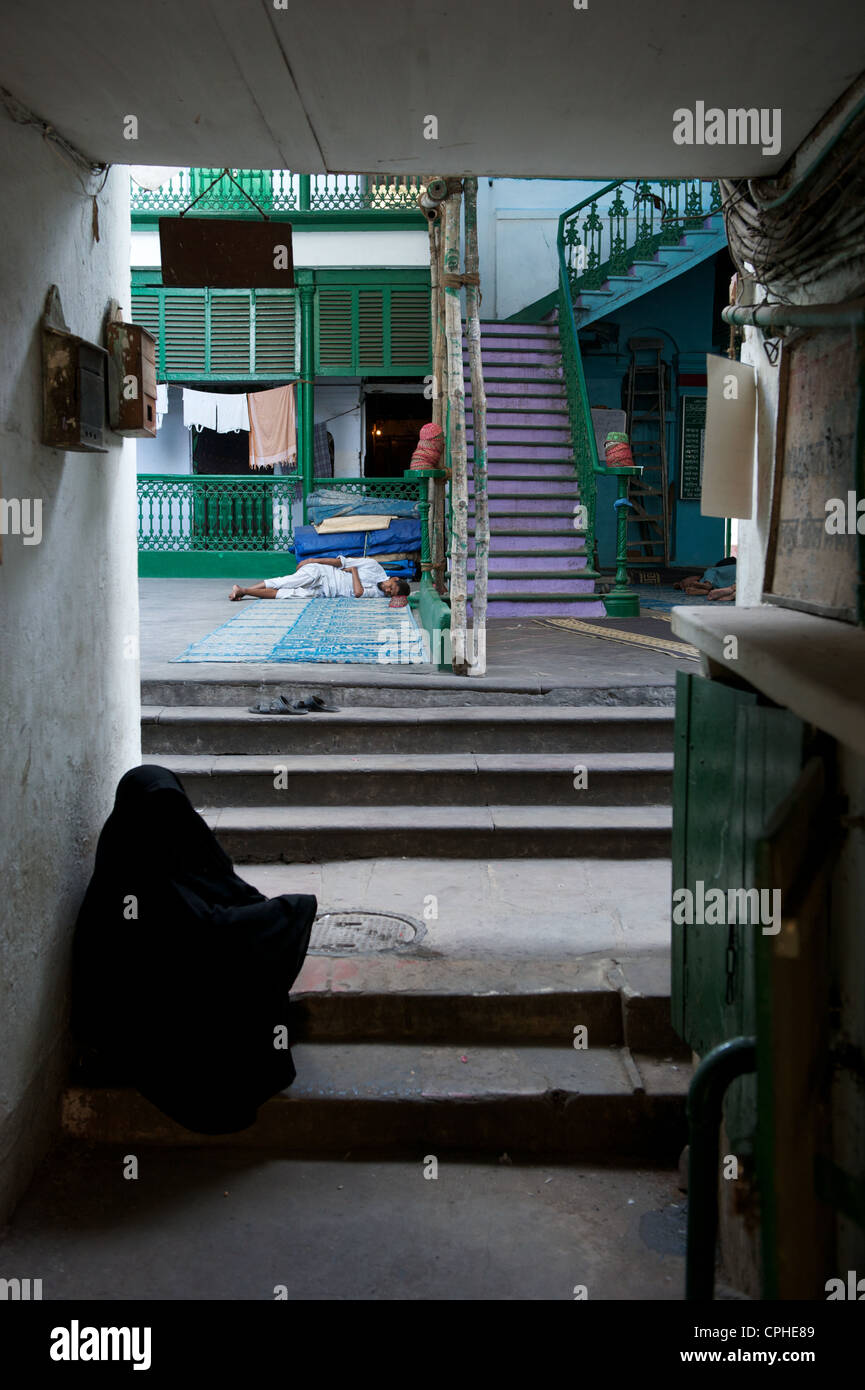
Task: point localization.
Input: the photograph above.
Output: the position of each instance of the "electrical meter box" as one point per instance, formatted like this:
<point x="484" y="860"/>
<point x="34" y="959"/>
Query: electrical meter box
<point x="131" y="380"/>
<point x="73" y="386"/>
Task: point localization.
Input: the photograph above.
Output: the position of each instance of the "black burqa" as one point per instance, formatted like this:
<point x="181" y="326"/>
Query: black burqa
<point x="181" y="971"/>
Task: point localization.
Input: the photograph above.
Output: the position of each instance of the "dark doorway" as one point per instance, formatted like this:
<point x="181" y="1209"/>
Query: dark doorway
<point x="221" y="453"/>
<point x="393" y="423"/>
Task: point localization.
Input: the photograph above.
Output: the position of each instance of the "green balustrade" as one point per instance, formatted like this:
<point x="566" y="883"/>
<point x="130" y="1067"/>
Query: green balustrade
<point x="602" y="236"/>
<point x="277" y="191"/>
<point x="212" y="524"/>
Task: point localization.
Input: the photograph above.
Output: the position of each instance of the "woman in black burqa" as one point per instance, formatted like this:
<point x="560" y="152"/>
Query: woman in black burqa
<point x="181" y="971"/>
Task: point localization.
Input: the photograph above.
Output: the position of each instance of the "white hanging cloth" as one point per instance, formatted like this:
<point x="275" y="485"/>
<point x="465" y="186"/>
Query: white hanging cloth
<point x="213" y="411"/>
<point x="161" y="404"/>
<point x="232" y="413"/>
<point x="199" y="409"/>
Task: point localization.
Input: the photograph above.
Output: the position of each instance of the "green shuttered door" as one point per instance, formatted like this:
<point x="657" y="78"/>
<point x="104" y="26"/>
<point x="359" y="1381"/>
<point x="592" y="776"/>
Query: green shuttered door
<point x="375" y="330"/>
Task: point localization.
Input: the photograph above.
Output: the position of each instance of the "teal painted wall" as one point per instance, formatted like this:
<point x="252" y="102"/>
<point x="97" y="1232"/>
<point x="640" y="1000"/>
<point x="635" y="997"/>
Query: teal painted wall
<point x="680" y="312"/>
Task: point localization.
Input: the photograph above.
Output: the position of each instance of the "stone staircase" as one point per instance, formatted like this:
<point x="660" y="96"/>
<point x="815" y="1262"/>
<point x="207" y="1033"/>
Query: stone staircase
<point x="435" y="1049"/>
<point x="538" y="565"/>
<point x="665" y="264"/>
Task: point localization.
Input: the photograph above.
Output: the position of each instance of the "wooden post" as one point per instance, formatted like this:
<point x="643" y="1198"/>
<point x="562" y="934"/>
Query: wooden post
<point x="479" y="432"/>
<point x="457" y="426"/>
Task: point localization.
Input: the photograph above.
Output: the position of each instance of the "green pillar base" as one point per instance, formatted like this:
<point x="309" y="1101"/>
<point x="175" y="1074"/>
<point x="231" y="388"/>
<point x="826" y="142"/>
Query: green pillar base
<point x="622" y="603"/>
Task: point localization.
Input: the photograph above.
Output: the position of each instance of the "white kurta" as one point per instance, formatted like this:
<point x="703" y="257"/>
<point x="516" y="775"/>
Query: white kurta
<point x="326" y="581"/>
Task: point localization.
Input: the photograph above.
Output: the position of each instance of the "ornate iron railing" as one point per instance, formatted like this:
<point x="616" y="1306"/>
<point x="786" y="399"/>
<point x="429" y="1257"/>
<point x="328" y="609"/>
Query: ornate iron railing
<point x="627" y="221"/>
<point x="206" y="512"/>
<point x="579" y="412"/>
<point x="196" y="512"/>
<point x="277" y="190"/>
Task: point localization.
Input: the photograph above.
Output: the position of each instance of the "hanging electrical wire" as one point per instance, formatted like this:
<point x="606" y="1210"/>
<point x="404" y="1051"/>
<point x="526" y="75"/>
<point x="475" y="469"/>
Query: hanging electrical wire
<point x="801" y="232"/>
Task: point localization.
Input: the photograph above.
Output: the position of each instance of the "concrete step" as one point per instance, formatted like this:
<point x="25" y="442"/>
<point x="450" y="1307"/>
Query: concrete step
<point x="391" y="1098"/>
<point x="567" y="729"/>
<point x="522" y="410"/>
<point x="446" y="779"/>
<point x="536" y="470"/>
<point x="531" y="495"/>
<point x="524" y="583"/>
<point x="312" y="833"/>
<point x="498" y="367"/>
<point x="514" y="565"/>
<point x="527" y="606"/>
<point x="510" y="544"/>
<point x="407" y="995"/>
<point x="529" y="389"/>
<point x="386" y="689"/>
<point x="551" y="525"/>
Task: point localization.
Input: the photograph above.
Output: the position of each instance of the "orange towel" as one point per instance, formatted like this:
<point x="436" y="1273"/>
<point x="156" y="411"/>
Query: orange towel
<point x="272" y="427"/>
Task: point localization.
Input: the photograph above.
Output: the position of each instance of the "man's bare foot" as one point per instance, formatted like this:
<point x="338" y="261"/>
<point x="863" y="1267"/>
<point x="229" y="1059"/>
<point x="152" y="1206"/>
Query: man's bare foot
<point x="722" y="595"/>
<point x="236" y="593"/>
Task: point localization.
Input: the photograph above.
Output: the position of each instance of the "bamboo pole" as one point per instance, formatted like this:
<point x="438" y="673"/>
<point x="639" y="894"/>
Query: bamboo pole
<point x="479" y="433"/>
<point x="440" y="371"/>
<point x="457" y="427"/>
<point x="436" y="485"/>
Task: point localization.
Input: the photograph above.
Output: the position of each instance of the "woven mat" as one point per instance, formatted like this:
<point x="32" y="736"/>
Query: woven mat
<point x="337" y="630"/>
<point x="633" y="632"/>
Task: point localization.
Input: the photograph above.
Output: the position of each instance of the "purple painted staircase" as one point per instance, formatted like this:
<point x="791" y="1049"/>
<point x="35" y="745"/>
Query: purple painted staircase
<point x="537" y="559"/>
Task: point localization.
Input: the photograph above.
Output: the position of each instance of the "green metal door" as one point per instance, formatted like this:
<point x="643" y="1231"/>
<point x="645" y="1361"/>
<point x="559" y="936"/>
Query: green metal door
<point x="736" y="758"/>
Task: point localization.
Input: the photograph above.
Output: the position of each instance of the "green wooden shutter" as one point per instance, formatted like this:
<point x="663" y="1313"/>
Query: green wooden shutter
<point x="409" y="327"/>
<point x="145" y="311"/>
<point x="275" y="333"/>
<point x="334" y="331"/>
<point x="370" y="329"/>
<point x="230" y="323"/>
<point x="184" y="333"/>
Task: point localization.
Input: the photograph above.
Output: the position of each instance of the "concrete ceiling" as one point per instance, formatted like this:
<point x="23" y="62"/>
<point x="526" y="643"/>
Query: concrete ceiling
<point x="518" y="88"/>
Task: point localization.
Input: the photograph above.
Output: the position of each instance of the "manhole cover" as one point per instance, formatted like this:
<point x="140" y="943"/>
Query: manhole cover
<point x="336" y="932"/>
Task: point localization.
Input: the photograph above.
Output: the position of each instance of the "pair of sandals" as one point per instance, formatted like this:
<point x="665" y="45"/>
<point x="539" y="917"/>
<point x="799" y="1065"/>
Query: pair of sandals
<point x="313" y="704"/>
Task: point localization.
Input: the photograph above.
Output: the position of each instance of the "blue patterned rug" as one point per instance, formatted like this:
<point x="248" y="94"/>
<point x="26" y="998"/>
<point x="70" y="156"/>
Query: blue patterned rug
<point x="315" y="629"/>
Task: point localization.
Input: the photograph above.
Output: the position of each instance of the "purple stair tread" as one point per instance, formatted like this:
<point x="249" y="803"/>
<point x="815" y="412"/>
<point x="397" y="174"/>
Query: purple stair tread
<point x="536" y="554"/>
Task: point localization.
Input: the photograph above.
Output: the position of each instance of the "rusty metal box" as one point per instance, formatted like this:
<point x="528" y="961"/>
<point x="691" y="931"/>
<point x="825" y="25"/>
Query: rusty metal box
<point x="131" y="380"/>
<point x="73" y="392"/>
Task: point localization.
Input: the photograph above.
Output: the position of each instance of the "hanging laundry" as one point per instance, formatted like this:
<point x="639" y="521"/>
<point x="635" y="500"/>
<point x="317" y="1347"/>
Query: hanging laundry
<point x="199" y="409"/>
<point x="272" y="427"/>
<point x="213" y="410"/>
<point x="161" y="404"/>
<point x="322" y="463"/>
<point x="232" y="413"/>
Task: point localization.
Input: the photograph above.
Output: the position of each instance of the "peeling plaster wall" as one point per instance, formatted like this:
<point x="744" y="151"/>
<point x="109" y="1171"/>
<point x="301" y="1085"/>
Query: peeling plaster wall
<point x="69" y="677"/>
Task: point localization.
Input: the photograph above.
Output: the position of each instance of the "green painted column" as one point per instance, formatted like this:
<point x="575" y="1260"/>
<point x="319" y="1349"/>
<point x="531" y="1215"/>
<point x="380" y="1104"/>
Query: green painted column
<point x="303" y="192"/>
<point x="307" y="390"/>
<point x="622" y="602"/>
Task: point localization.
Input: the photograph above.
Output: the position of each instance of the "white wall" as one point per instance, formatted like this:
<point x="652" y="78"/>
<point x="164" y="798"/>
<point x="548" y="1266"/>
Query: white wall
<point x="517" y="228"/>
<point x="69" y="678"/>
<point x="358" y="249"/>
<point x="339" y="404"/>
<point x="171" y="450"/>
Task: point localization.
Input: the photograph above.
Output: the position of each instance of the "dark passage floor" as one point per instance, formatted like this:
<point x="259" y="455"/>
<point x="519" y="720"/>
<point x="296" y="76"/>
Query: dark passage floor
<point x="220" y="1225"/>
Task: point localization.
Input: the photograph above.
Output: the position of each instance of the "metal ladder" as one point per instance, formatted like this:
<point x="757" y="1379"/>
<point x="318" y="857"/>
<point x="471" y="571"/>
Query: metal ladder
<point x="648" y="531"/>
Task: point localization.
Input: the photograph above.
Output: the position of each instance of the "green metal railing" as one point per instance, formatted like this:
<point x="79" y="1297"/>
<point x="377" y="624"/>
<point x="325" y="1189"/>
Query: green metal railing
<point x="579" y="412"/>
<point x="208" y="512"/>
<point x="277" y="190"/>
<point x="603" y="235"/>
<point x="198" y="512"/>
<point x="597" y="239"/>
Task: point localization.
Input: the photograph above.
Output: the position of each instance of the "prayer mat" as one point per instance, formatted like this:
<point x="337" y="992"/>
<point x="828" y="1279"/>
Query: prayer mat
<point x="632" y="632"/>
<point x="335" y="630"/>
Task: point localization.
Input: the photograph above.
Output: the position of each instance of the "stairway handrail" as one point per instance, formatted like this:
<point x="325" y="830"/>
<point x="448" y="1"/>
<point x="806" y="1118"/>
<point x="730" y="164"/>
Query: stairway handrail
<point x="579" y="410"/>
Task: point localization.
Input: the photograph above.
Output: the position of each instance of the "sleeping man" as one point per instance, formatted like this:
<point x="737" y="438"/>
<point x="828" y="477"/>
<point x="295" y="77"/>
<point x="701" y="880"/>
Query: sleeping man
<point x="341" y="578"/>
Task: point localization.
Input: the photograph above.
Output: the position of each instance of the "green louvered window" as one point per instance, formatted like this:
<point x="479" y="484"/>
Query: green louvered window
<point x="370" y="330"/>
<point x="217" y="335"/>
